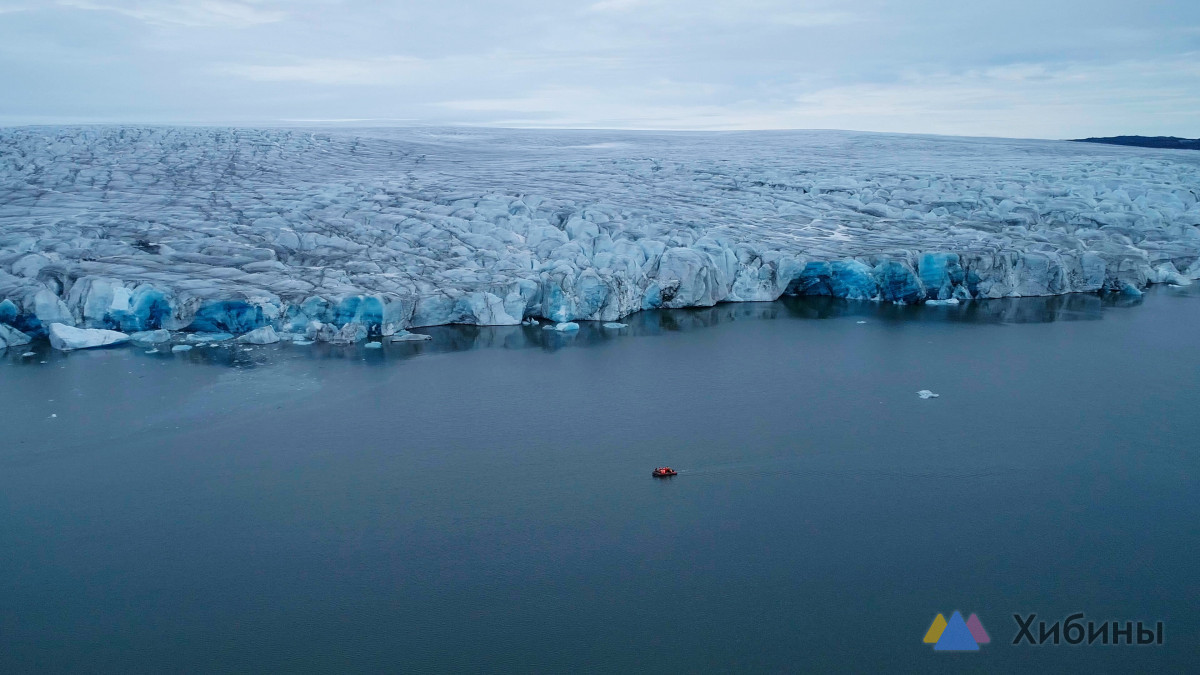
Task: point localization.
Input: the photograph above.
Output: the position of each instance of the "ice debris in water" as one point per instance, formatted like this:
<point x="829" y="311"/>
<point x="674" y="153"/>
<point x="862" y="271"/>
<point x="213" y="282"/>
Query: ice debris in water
<point x="66" y="338"/>
<point x="948" y="301"/>
<point x="616" y="325"/>
<point x="860" y="322"/>
<point x="566" y="327"/>
<point x="373" y="345"/>
<point x="101" y="229"/>
<point x="28" y="354"/>
<point x="925" y="393"/>
<point x="181" y="348"/>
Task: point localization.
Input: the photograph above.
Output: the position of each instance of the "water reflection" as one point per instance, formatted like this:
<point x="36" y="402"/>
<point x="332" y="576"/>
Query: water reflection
<point x="1075" y="307"/>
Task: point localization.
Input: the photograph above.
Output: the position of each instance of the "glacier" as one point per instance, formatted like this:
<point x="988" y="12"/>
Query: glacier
<point x="347" y="234"/>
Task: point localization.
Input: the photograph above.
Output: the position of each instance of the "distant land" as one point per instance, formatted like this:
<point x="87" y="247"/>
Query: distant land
<point x="1171" y="142"/>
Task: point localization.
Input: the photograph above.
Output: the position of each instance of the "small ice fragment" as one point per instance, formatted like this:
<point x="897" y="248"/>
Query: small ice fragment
<point x="53" y="415"/>
<point x="374" y="345"/>
<point x="181" y="348"/>
<point x="615" y="324"/>
<point x="302" y="342"/>
<point x="935" y="303"/>
<point x="860" y="322"/>
<point x="568" y="326"/>
<point x="925" y="393"/>
<point x="28" y="354"/>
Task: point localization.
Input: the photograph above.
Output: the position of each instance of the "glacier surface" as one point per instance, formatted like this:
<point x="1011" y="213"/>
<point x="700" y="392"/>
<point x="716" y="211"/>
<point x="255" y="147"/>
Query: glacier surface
<point x="349" y="234"/>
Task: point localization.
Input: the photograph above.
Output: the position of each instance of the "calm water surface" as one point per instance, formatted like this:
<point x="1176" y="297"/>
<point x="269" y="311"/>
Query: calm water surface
<point x="482" y="502"/>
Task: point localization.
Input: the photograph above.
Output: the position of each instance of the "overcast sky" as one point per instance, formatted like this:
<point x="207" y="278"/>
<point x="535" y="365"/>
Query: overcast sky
<point x="1024" y="68"/>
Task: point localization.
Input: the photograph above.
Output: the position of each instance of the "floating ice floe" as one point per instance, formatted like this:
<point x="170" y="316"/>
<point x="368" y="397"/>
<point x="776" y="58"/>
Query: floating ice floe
<point x="181" y="348"/>
<point x="66" y="338"/>
<point x="948" y="301"/>
<point x="374" y="345"/>
<point x="925" y="393"/>
<point x="209" y="337"/>
<point x="616" y="325"/>
<point x="151" y="336"/>
<point x="410" y="337"/>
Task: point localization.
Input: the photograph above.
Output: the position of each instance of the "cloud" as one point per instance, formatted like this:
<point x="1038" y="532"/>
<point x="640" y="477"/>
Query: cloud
<point x="816" y="19"/>
<point x="1025" y="99"/>
<point x="374" y="71"/>
<point x="193" y="13"/>
<point x="615" y="5"/>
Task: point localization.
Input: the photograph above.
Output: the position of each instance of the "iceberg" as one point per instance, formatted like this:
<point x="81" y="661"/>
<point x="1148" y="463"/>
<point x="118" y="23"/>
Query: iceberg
<point x="66" y="338"/>
<point x="98" y="231"/>
<point x="925" y="393"/>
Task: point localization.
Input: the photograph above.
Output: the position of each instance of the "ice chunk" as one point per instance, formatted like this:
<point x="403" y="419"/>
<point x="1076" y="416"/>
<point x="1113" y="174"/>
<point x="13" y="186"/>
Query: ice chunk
<point x="65" y="338"/>
<point x="8" y="311"/>
<point x="260" y="336"/>
<point x="373" y="345"/>
<point x="11" y="337"/>
<point x="566" y="326"/>
<point x="925" y="393"/>
<point x="349" y="334"/>
<point x="616" y="325"/>
<point x="151" y="337"/>
<point x="181" y="348"/>
<point x="936" y="303"/>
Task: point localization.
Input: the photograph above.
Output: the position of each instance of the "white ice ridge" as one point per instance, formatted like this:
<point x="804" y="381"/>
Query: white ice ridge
<point x="341" y="235"/>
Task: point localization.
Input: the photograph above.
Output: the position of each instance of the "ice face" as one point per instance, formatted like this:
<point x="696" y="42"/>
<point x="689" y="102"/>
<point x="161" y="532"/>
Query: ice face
<point x="349" y="235"/>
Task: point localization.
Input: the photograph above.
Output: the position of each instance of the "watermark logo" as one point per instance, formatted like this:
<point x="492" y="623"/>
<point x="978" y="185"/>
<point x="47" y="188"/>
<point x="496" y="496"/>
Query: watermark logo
<point x="956" y="635"/>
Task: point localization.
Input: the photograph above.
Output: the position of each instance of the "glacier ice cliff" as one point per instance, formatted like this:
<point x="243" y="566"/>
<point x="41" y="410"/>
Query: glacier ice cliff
<point x="349" y="234"/>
